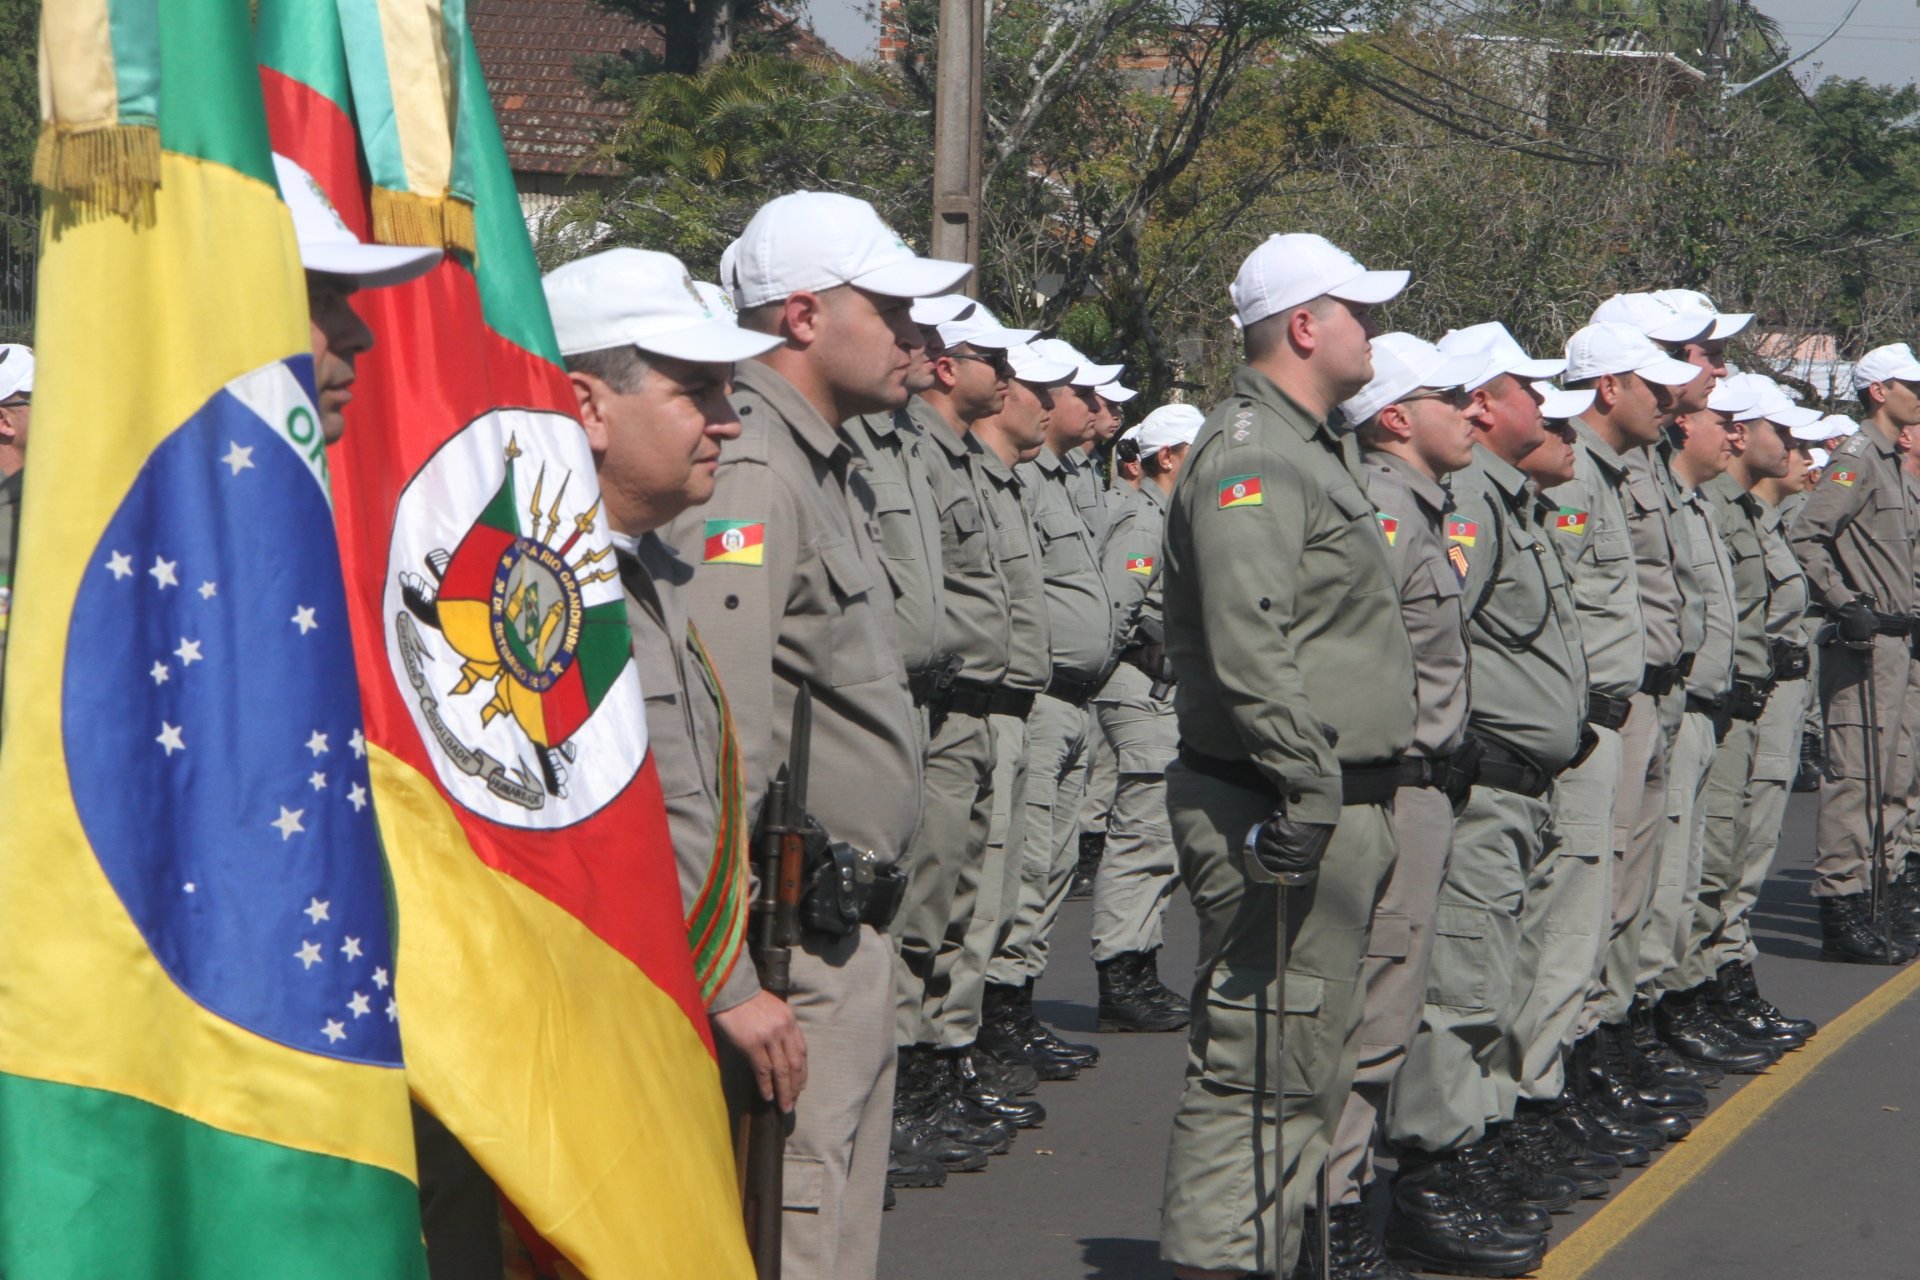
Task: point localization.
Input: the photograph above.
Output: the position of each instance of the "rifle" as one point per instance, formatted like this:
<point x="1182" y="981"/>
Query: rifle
<point x="775" y="928"/>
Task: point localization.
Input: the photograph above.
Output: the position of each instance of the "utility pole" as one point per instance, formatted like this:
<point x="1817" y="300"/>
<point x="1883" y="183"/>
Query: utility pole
<point x="956" y="133"/>
<point x="1716" y="67"/>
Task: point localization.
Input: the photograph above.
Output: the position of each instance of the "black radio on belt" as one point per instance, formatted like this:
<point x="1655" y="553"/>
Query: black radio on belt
<point x="1749" y="698"/>
<point x="847" y="887"/>
<point x="930" y="684"/>
<point x="1606" y="710"/>
<point x="1658" y="682"/>
<point x="1715" y="709"/>
<point x="1790" y="661"/>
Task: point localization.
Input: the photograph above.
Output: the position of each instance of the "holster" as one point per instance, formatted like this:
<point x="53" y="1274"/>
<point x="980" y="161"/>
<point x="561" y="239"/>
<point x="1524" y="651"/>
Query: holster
<point x="1791" y="662"/>
<point x="1462" y="770"/>
<point x="847" y="887"/>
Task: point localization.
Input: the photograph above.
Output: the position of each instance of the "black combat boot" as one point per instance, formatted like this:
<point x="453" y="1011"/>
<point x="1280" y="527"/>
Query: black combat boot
<point x="1901" y="930"/>
<point x="1847" y="934"/>
<point x="1747" y="1025"/>
<point x="967" y="1119"/>
<point x="1690" y="1031"/>
<point x="1612" y="1092"/>
<point x="1813" y="759"/>
<point x="1038" y="1033"/>
<point x="1903" y="892"/>
<point x="1593" y="1127"/>
<point x="1533" y="1124"/>
<point x="921" y="1088"/>
<point x="1026" y="1113"/>
<point x="1524" y="1148"/>
<point x="918" y="1135"/>
<point x="1092" y="845"/>
<point x="1540" y="1188"/>
<point x="1000" y="1078"/>
<point x="1125" y="1003"/>
<point x="1747" y="999"/>
<point x="1674" y="1068"/>
<point x="1004" y="1037"/>
<point x="1435" y="1224"/>
<point x="905" y="1169"/>
<point x="1159" y="992"/>
<point x="1353" y="1251"/>
<point x="1649" y="1085"/>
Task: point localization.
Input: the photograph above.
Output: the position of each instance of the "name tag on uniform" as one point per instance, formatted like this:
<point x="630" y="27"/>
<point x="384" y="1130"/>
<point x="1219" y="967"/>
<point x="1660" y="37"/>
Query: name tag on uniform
<point x="736" y="542"/>
<point x="1140" y="564"/>
<point x="1388" y="526"/>
<point x="1240" y="491"/>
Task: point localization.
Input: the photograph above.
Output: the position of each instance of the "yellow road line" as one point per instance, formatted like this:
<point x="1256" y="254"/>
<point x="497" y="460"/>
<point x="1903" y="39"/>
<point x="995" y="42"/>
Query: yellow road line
<point x="1577" y="1255"/>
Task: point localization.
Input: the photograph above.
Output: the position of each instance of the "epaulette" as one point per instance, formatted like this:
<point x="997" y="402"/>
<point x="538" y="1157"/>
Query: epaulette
<point x="1855" y="445"/>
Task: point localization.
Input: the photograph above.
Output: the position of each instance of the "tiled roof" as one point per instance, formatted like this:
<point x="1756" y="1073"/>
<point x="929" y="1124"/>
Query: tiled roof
<point x="532" y="51"/>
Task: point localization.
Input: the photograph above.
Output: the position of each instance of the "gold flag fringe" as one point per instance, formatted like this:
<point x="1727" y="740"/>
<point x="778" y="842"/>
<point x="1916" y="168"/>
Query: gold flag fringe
<point x="440" y="222"/>
<point x="110" y="169"/>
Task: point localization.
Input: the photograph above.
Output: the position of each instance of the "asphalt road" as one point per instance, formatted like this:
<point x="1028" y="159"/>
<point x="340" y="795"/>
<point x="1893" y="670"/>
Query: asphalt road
<point x="1821" y="1185"/>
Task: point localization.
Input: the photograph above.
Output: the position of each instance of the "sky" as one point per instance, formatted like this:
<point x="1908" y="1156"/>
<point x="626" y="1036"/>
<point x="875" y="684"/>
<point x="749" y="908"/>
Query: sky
<point x="1880" y="43"/>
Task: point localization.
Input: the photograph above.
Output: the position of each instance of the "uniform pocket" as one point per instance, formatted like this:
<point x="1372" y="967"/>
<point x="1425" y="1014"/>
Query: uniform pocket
<point x="1391" y="936"/>
<point x="679" y="771"/>
<point x="1237" y="1041"/>
<point x="1458" y="974"/>
<point x="963" y="528"/>
<point x="802" y="1178"/>
<point x="1061" y="548"/>
<point x="853" y="629"/>
<point x="893" y="512"/>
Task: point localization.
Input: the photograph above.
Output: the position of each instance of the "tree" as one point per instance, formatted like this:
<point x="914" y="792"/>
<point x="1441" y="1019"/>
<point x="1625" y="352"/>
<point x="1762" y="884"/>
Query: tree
<point x="696" y="34"/>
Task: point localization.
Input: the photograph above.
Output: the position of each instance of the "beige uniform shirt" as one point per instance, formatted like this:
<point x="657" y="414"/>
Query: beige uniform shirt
<point x="1739" y="513"/>
<point x="974" y="620"/>
<point x="1016" y="548"/>
<point x="1282" y="618"/>
<point x="1656" y="556"/>
<point x="1080" y="612"/>
<point x="1590" y="525"/>
<point x="1787" y="616"/>
<point x="814" y="607"/>
<point x="905" y="508"/>
<point x="1132" y="561"/>
<point x="1413" y="512"/>
<point x="1710" y="571"/>
<point x="1854" y="535"/>
<point x="1523" y="632"/>
<point x="683" y="722"/>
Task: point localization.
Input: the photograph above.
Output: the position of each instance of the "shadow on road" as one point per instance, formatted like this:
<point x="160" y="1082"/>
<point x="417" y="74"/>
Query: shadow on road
<point x="1117" y="1258"/>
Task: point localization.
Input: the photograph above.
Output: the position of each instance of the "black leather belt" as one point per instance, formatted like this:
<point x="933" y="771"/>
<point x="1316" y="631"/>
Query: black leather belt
<point x="1790" y="661"/>
<point x="970" y="698"/>
<point x="1359" y="783"/>
<point x="1660" y="681"/>
<point x="929" y="684"/>
<point x="1748" y="701"/>
<point x="1606" y="710"/>
<point x="1424" y="771"/>
<point x="1076" y="692"/>
<point x="1715" y="709"/>
<point x="1892" y="624"/>
<point x="1017" y="703"/>
<point x="1504" y="769"/>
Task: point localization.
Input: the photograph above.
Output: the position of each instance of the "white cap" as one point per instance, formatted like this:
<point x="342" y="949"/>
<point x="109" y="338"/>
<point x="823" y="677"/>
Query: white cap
<point x="1286" y="271"/>
<point x="978" y="329"/>
<point x="1893" y="362"/>
<point x="1604" y="347"/>
<point x="1402" y="365"/>
<point x="327" y="246"/>
<point x="814" y="240"/>
<point x="1769" y="402"/>
<point x="1691" y="302"/>
<point x="1131" y="433"/>
<point x="1502" y="351"/>
<point x="1169" y="425"/>
<point x="1653" y="316"/>
<point x="718" y="300"/>
<point x="1831" y="427"/>
<point x="941" y="308"/>
<point x="1085" y="372"/>
<point x="1736" y="395"/>
<point x="1558" y="403"/>
<point x="644" y="299"/>
<point x="1114" y="393"/>
<point x="1819" y="457"/>
<point x="16" y="370"/>
<point x="1031" y="365"/>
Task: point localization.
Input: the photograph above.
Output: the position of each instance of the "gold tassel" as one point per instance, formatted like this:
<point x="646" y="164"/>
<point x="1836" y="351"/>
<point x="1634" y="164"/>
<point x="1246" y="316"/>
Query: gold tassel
<point x="440" y="222"/>
<point x="113" y="169"/>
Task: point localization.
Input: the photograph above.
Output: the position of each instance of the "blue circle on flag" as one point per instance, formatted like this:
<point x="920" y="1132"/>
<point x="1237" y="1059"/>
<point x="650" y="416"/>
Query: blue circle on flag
<point x="211" y="722"/>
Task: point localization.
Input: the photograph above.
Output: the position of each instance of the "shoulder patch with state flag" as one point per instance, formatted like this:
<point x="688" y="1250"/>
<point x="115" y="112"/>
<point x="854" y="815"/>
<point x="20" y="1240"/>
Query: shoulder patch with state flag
<point x="1570" y="520"/>
<point x="735" y="542"/>
<point x="1844" y="479"/>
<point x="1241" y="491"/>
<point x="1464" y="532"/>
<point x="1142" y="565"/>
<point x="1389" y="526"/>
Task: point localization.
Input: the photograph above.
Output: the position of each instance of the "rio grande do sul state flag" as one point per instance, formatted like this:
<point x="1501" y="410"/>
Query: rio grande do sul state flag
<point x="200" y="1060"/>
<point x="552" y="1016"/>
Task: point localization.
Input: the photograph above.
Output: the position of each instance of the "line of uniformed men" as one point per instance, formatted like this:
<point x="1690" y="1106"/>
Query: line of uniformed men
<point x="1512" y="679"/>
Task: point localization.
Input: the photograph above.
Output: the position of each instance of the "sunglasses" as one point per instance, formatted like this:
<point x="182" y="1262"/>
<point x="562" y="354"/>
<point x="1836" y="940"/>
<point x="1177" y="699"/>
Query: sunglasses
<point x="998" y="363"/>
<point x="1452" y="397"/>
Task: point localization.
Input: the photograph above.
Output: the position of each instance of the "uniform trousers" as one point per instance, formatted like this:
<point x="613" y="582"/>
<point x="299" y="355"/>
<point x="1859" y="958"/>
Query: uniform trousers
<point x="1843" y="832"/>
<point x="1136" y="876"/>
<point x="1569" y="899"/>
<point x="1639" y="816"/>
<point x="1476" y="982"/>
<point x="1720" y="850"/>
<point x="1057" y="736"/>
<point x="836" y="1161"/>
<point x="1399" y="948"/>
<point x="973" y="941"/>
<point x="1220" y="1207"/>
<point x="955" y="811"/>
<point x="1668" y="936"/>
<point x="1103" y="778"/>
<point x="1776" y="759"/>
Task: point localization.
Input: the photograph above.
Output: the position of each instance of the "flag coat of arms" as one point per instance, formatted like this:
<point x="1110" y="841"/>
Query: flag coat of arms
<point x="200" y="1067"/>
<point x="552" y="1014"/>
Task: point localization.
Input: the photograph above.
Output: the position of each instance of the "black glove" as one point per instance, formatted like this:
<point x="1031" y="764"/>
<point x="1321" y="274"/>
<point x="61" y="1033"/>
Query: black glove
<point x="1856" y="621"/>
<point x="1285" y="851"/>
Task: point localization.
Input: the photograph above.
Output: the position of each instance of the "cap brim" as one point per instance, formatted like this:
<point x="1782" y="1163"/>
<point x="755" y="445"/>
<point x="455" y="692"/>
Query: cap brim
<point x="1558" y="403"/>
<point x="941" y="309"/>
<point x="717" y="342"/>
<point x="1794" y="417"/>
<point x="1725" y="326"/>
<point x="996" y="339"/>
<point x="1044" y="373"/>
<point x="1371" y="288"/>
<point x="1457" y="370"/>
<point x="371" y="266"/>
<point x="914" y="277"/>
<point x="1097" y="375"/>
<point x="1819" y="457"/>
<point x="1682" y="329"/>
<point x="1115" y="393"/>
<point x="1813" y="432"/>
<point x="1669" y="372"/>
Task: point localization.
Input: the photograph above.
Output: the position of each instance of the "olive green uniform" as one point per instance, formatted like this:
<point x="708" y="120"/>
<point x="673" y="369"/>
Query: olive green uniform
<point x="1295" y="669"/>
<point x="1854" y="537"/>
<point x="1707" y="625"/>
<point x="1412" y="510"/>
<point x="1529" y="691"/>
<point x="1080" y="620"/>
<point x="1789" y="509"/>
<point x="996" y="893"/>
<point x="817" y="611"/>
<point x="1136" y="875"/>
